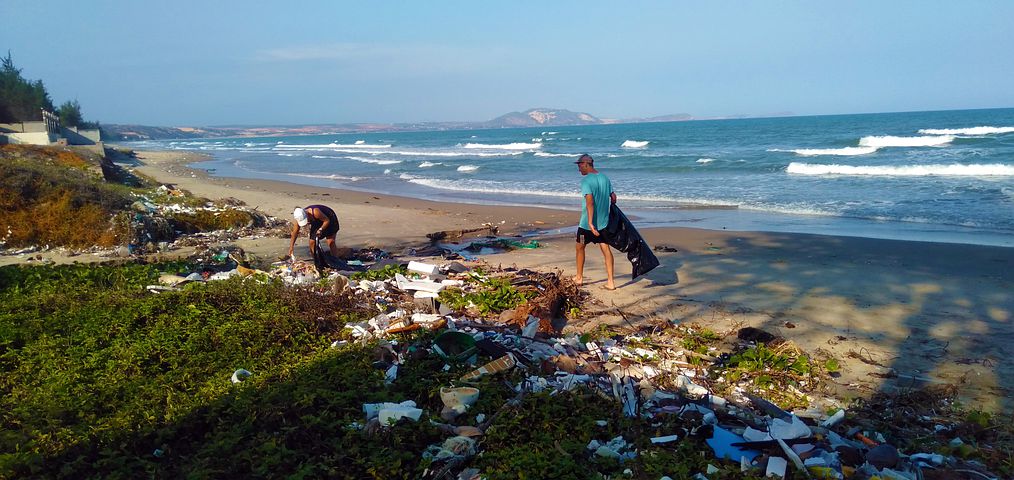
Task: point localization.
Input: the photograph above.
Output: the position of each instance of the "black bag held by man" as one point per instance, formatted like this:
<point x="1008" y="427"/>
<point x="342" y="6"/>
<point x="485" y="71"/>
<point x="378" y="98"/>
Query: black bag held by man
<point x="621" y="235"/>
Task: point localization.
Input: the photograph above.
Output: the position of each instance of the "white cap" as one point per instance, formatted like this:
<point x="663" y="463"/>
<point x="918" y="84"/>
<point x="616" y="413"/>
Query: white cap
<point x="300" y="216"/>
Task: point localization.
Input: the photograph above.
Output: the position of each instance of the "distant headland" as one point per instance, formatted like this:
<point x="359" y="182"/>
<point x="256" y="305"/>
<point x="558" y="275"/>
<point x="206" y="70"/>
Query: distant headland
<point x="533" y="117"/>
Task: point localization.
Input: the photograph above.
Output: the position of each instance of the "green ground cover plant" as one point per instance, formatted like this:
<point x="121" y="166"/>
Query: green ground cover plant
<point x="387" y="272"/>
<point x="100" y="379"/>
<point x="492" y="295"/>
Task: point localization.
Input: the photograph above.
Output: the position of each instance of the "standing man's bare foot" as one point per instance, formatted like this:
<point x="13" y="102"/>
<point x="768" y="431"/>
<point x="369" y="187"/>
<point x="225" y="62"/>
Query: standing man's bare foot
<point x="610" y="286"/>
<point x="577" y="280"/>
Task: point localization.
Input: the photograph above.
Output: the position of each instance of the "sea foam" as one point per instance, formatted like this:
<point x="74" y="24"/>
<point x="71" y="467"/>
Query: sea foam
<point x="429" y="164"/>
<point x="974" y="170"/>
<point x="377" y="161"/>
<point x="326" y="177"/>
<point x="468" y="168"/>
<point x="328" y="146"/>
<point x="504" y="146"/>
<point x="545" y="154"/>
<point x="705" y="160"/>
<point x="889" y="141"/>
<point x="967" y="131"/>
<point x="846" y="151"/>
<point x="634" y="144"/>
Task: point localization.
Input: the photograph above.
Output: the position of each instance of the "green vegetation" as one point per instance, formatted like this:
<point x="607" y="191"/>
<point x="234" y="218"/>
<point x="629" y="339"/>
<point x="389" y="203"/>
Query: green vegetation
<point x="99" y="379"/>
<point x="56" y="197"/>
<point x="777" y="371"/>
<point x="385" y="273"/>
<point x="20" y="99"/>
<point x="493" y="295"/>
<point x="207" y="220"/>
<point x="699" y="339"/>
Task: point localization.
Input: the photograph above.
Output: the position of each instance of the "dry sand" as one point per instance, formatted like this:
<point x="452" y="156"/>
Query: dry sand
<point x="928" y="312"/>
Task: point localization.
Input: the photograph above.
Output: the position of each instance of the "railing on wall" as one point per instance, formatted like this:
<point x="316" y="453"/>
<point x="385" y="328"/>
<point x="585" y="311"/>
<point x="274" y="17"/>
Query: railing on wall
<point x="52" y="121"/>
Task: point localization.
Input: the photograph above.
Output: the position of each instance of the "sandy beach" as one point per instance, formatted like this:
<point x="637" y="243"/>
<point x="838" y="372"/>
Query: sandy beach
<point x="895" y="314"/>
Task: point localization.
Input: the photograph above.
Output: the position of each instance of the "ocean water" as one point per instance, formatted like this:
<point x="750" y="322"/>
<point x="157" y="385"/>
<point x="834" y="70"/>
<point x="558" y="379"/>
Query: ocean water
<point x="932" y="176"/>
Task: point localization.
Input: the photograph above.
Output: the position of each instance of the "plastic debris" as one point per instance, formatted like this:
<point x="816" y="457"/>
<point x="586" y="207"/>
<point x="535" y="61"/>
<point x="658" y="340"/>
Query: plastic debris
<point x="239" y="375"/>
<point x="776" y="467"/>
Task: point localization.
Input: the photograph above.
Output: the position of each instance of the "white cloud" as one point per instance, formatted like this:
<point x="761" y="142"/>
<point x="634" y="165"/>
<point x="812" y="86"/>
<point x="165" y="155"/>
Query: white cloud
<point x="420" y="59"/>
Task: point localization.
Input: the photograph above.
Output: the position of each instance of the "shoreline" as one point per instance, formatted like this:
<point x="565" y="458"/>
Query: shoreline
<point x="917" y="313"/>
<point x="734" y="218"/>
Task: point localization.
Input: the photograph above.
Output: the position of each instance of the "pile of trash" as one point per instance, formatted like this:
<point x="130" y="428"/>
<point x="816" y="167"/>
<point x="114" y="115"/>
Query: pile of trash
<point x="651" y="377"/>
<point x="169" y="219"/>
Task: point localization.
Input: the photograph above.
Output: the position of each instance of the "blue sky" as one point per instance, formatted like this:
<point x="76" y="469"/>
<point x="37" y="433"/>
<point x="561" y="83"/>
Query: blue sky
<point x="253" y="62"/>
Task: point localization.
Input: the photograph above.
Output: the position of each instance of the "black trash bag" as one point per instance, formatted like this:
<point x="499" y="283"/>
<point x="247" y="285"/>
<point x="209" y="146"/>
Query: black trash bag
<point x="621" y="235"/>
<point x="323" y="259"/>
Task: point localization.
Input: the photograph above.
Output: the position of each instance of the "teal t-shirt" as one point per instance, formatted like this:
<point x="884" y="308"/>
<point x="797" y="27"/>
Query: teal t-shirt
<point x="599" y="187"/>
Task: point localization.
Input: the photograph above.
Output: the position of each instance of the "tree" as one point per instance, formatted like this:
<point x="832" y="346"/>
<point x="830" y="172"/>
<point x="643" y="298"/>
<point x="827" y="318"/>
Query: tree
<point x="70" y="114"/>
<point x="20" y="99"/>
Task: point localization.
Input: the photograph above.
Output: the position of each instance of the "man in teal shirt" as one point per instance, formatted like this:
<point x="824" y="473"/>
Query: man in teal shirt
<point x="598" y="195"/>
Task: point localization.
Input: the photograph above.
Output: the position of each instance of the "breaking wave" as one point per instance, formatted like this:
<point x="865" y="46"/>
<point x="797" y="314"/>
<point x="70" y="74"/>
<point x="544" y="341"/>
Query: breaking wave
<point x="429" y="164"/>
<point x="328" y="146"/>
<point x="705" y="160"/>
<point x="975" y="170"/>
<point x="504" y="146"/>
<point x="376" y="161"/>
<point x="967" y="131"/>
<point x="888" y="141"/>
<point x="326" y="177"/>
<point x="871" y="144"/>
<point x="634" y="144"/>
<point x="544" y="154"/>
<point x="468" y="168"/>
<point x="846" y="151"/>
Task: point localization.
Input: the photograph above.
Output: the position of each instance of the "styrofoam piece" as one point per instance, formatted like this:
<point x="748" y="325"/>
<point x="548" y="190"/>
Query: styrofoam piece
<point x="424" y="285"/>
<point x="834" y="419"/>
<point x="373" y="409"/>
<point x="665" y="439"/>
<point x="424" y="268"/>
<point x="776" y="467"/>
<point x="425" y="318"/>
<point x="689" y="387"/>
<point x="789" y="430"/>
<point x="223" y="275"/>
<point x="388" y="416"/>
<point x="798" y="462"/>
<point x="459" y="399"/>
<point x="753" y="435"/>
<point x="422" y="294"/>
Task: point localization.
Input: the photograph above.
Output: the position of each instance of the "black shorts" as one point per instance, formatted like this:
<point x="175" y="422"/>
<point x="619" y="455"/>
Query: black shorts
<point x="586" y="236"/>
<point x="331" y="231"/>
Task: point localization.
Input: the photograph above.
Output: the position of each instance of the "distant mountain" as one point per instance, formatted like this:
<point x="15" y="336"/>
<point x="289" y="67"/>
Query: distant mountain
<point x="535" y="117"/>
<point x="543" y="117"/>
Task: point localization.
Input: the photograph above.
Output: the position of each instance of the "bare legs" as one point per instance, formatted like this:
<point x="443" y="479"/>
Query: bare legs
<point x="579" y="278"/>
<point x="607" y="255"/>
<point x="331" y="245"/>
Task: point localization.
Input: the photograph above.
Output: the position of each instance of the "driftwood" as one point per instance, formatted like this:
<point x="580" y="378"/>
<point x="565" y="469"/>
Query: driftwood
<point x="455" y="234"/>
